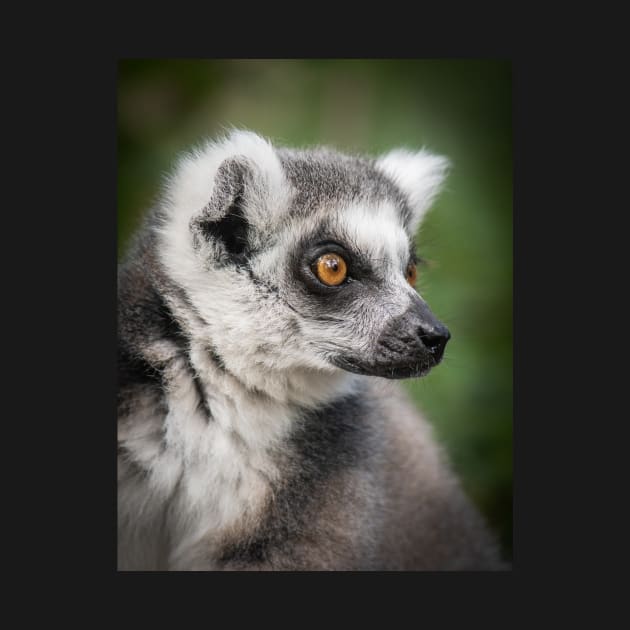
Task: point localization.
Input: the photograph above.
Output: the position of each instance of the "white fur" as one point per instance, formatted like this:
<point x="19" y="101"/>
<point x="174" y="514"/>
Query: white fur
<point x="420" y="176"/>
<point x="377" y="231"/>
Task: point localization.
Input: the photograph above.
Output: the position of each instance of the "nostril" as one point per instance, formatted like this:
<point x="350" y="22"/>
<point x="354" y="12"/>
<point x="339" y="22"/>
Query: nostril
<point x="435" y="340"/>
<point x="432" y="341"/>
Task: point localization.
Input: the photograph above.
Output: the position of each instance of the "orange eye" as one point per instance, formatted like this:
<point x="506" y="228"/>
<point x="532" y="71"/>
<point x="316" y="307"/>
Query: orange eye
<point x="331" y="269"/>
<point x="412" y="274"/>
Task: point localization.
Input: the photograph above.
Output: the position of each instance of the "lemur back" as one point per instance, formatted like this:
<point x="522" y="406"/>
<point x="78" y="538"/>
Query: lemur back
<point x="264" y="308"/>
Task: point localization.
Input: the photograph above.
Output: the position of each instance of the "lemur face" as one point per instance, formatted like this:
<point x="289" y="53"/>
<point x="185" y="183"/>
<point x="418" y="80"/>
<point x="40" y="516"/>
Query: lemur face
<point x="304" y="259"/>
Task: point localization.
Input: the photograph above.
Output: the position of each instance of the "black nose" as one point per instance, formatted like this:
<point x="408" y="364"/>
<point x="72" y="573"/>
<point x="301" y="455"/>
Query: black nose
<point x="435" y="339"/>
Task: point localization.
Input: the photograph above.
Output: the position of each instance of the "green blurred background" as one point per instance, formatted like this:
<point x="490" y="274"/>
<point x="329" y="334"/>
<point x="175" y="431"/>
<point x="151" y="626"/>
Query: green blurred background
<point x="458" y="108"/>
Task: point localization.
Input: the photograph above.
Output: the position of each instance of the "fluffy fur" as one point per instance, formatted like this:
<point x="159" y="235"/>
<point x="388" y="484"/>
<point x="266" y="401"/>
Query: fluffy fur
<point x="255" y="428"/>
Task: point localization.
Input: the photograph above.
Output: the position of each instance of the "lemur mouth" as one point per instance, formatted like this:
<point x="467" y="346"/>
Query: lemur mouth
<point x="385" y="370"/>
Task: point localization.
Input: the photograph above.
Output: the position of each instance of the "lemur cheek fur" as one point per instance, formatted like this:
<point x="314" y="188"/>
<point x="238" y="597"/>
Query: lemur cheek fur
<point x="263" y="311"/>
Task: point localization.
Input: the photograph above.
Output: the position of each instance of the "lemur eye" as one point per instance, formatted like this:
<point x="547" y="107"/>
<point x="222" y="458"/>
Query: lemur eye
<point x="411" y="274"/>
<point x="331" y="269"/>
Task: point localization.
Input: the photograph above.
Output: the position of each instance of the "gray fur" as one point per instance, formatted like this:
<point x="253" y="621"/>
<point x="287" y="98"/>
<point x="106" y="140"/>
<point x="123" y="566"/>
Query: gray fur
<point x="255" y="430"/>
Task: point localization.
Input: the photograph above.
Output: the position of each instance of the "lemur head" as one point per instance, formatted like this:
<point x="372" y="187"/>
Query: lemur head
<point x="295" y="260"/>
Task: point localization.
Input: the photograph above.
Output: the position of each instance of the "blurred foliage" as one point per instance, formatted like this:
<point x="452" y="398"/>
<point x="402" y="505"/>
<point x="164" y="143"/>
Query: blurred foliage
<point x="458" y="108"/>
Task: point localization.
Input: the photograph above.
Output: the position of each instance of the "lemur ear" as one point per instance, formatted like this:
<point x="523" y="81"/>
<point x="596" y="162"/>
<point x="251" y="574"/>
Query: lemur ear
<point x="419" y="175"/>
<point x="225" y="194"/>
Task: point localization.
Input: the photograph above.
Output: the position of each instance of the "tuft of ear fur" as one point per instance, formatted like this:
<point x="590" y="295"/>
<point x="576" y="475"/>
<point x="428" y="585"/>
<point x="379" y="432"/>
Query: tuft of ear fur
<point x="419" y="175"/>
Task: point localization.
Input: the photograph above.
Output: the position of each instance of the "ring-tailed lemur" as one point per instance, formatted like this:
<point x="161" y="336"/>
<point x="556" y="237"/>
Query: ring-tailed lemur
<point x="258" y="306"/>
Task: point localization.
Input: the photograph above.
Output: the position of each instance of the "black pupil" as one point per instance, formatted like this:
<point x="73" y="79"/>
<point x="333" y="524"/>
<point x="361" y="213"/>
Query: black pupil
<point x="333" y="264"/>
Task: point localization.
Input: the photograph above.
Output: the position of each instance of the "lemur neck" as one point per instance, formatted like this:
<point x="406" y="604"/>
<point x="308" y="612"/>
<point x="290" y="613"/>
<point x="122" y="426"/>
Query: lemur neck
<point x="259" y="383"/>
<point x="299" y="387"/>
